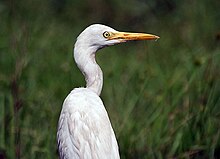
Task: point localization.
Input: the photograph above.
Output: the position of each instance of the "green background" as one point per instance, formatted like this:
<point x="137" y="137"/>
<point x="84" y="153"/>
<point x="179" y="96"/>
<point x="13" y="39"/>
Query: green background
<point x="163" y="97"/>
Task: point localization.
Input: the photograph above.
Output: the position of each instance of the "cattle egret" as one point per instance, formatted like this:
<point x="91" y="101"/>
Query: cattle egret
<point x="84" y="128"/>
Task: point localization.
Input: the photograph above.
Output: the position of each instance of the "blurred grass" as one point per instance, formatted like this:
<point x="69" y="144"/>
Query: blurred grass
<point x="162" y="97"/>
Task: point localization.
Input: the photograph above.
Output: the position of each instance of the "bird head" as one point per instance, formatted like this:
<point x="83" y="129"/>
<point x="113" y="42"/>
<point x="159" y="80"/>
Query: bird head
<point x="97" y="36"/>
<point x="93" y="38"/>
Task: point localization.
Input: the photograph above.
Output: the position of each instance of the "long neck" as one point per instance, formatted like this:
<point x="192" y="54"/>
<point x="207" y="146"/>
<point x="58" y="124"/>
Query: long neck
<point x="85" y="60"/>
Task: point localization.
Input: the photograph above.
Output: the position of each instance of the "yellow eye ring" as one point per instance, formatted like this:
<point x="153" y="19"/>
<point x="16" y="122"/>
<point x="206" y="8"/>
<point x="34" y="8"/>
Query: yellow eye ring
<point x="106" y="34"/>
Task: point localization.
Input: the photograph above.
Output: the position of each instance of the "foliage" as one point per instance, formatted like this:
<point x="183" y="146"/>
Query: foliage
<point x="162" y="97"/>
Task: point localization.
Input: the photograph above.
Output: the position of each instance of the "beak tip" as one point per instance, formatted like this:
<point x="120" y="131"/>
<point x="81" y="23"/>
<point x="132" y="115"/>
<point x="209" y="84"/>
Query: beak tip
<point x="156" y="37"/>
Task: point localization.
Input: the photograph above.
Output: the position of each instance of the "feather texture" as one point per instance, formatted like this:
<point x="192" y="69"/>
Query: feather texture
<point x="84" y="130"/>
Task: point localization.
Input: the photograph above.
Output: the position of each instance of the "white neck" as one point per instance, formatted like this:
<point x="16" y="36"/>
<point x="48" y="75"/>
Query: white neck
<point x="85" y="60"/>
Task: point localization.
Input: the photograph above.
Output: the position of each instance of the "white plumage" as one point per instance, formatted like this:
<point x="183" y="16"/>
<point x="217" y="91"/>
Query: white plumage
<point x="84" y="129"/>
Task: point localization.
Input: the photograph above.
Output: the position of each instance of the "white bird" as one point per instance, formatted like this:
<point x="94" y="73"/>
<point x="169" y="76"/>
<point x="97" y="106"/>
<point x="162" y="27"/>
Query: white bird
<point x="84" y="128"/>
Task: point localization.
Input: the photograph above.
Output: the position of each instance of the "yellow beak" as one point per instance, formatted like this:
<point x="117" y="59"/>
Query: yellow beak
<point x="125" y="36"/>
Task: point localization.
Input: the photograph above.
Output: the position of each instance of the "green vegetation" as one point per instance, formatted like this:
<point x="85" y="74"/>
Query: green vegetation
<point x="163" y="97"/>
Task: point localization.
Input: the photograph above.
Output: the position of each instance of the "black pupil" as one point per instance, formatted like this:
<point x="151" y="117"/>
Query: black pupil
<point x="106" y="34"/>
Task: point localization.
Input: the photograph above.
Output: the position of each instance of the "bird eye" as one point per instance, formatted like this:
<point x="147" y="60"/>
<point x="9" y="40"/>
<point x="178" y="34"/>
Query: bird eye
<point x="106" y="34"/>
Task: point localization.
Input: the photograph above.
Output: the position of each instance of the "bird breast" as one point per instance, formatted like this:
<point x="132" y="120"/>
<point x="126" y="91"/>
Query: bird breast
<point x="84" y="129"/>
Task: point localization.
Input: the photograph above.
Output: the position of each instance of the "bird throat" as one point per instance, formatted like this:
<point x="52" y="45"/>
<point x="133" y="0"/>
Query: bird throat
<point x="86" y="62"/>
<point x="94" y="77"/>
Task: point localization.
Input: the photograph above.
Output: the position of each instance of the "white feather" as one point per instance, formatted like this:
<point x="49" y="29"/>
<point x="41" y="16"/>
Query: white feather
<point x="84" y="130"/>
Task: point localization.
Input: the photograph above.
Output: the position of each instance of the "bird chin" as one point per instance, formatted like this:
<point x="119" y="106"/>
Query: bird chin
<point x="118" y="41"/>
<point x="122" y="40"/>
